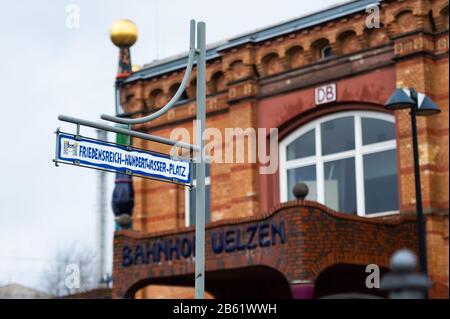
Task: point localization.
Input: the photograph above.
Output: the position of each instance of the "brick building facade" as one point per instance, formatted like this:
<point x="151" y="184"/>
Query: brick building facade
<point x="270" y="78"/>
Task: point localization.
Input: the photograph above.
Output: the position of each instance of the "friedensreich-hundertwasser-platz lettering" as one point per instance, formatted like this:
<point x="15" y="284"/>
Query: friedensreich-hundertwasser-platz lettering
<point x="227" y="240"/>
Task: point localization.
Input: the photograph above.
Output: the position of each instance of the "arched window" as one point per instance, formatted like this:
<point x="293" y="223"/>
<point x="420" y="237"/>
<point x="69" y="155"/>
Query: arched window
<point x="174" y="88"/>
<point x="444" y="17"/>
<point x="156" y="99"/>
<point x="348" y="42"/>
<point x="192" y="88"/>
<point x="237" y="69"/>
<point x="348" y="160"/>
<point x="217" y="82"/>
<point x="326" y="52"/>
<point x="296" y="57"/>
<point x="376" y="37"/>
<point x="406" y="21"/>
<point x="271" y="64"/>
<point x="322" y="49"/>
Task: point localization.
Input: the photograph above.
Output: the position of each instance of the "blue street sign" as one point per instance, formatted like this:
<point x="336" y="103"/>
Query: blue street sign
<point x="91" y="153"/>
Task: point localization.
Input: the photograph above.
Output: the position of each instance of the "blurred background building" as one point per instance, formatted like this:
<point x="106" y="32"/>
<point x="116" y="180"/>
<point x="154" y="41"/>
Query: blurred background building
<point x="322" y="80"/>
<point x="16" y="291"/>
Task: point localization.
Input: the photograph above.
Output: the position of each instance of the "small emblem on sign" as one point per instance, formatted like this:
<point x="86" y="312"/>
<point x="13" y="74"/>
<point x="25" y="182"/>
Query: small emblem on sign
<point x="70" y="148"/>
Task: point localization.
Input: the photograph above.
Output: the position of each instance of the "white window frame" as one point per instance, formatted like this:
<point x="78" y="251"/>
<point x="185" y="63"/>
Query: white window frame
<point x="319" y="159"/>
<point x="187" y="200"/>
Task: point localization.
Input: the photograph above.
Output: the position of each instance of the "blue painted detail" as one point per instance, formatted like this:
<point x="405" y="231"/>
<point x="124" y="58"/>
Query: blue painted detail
<point x="122" y="201"/>
<point x="127" y="257"/>
<point x="227" y="240"/>
<point x="278" y="231"/>
<point x="230" y="240"/>
<point x="186" y="249"/>
<point x="239" y="241"/>
<point x="150" y="250"/>
<point x="217" y="247"/>
<point x="174" y="248"/>
<point x="263" y="234"/>
<point x="251" y="232"/>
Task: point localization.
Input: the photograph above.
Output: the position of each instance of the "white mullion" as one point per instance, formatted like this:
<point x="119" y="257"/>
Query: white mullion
<point x="359" y="168"/>
<point x="283" y="173"/>
<point x="378" y="147"/>
<point x="300" y="162"/>
<point x="320" y="182"/>
<point x="338" y="156"/>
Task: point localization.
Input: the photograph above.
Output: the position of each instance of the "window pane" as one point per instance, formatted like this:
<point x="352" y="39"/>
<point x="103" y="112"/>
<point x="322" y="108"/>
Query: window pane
<point x="340" y="185"/>
<point x="303" y="146"/>
<point x="192" y="206"/>
<point x="326" y="52"/>
<point x="305" y="175"/>
<point x="375" y="131"/>
<point x="380" y="182"/>
<point x="338" y="135"/>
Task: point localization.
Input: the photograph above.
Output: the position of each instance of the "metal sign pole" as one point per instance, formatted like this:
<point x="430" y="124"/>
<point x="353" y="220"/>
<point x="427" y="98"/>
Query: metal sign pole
<point x="201" y="169"/>
<point x="199" y="53"/>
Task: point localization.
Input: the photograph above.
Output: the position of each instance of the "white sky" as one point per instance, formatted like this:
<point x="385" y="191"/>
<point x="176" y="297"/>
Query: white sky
<point x="47" y="69"/>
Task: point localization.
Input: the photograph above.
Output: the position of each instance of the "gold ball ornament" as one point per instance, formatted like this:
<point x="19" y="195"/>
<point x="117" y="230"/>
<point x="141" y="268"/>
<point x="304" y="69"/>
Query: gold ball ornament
<point x="123" y="33"/>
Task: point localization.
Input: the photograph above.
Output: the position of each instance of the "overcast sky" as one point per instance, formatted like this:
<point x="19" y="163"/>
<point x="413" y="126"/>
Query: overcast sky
<point x="47" y="69"/>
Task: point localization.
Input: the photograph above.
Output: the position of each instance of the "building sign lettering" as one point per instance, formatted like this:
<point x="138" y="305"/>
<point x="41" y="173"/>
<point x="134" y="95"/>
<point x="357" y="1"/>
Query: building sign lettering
<point x="325" y="94"/>
<point x="227" y="240"/>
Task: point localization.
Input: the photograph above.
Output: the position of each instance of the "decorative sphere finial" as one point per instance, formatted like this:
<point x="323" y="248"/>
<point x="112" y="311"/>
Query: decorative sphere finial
<point x="123" y="33"/>
<point x="403" y="260"/>
<point x="300" y="191"/>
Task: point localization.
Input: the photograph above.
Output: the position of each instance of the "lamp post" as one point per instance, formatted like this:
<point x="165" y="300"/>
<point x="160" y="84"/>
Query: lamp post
<point x="420" y="105"/>
<point x="403" y="282"/>
<point x="123" y="34"/>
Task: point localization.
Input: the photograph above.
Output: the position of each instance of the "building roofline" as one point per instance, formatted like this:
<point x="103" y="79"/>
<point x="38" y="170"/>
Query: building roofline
<point x="179" y="61"/>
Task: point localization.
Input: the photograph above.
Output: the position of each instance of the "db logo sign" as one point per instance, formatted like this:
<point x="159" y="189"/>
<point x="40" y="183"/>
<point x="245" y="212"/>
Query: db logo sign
<point x="326" y="94"/>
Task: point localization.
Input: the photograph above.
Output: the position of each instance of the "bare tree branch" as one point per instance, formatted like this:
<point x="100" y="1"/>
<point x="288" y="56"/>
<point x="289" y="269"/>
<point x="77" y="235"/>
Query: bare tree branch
<point x="54" y="278"/>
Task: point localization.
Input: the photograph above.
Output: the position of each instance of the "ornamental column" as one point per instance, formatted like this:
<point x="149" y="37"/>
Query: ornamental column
<point x="123" y="34"/>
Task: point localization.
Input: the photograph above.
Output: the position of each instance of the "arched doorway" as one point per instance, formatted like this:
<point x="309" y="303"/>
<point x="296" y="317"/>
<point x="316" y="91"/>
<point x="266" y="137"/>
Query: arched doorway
<point x="259" y="282"/>
<point x="346" y="281"/>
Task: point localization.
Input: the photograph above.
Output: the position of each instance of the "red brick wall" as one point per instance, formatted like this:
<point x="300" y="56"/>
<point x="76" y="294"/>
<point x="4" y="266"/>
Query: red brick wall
<point x="409" y="50"/>
<point x="315" y="238"/>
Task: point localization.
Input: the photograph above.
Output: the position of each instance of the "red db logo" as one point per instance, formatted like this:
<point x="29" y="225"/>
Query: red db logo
<point x="326" y="94"/>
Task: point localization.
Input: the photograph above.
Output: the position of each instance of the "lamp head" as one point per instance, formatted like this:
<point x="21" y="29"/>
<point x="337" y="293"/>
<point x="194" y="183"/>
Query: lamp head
<point x="426" y="106"/>
<point x="403" y="99"/>
<point x="400" y="99"/>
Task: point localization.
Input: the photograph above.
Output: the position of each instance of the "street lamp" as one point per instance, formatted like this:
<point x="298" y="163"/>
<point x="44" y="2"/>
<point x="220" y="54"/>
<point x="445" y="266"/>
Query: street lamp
<point x="123" y="34"/>
<point x="420" y="105"/>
